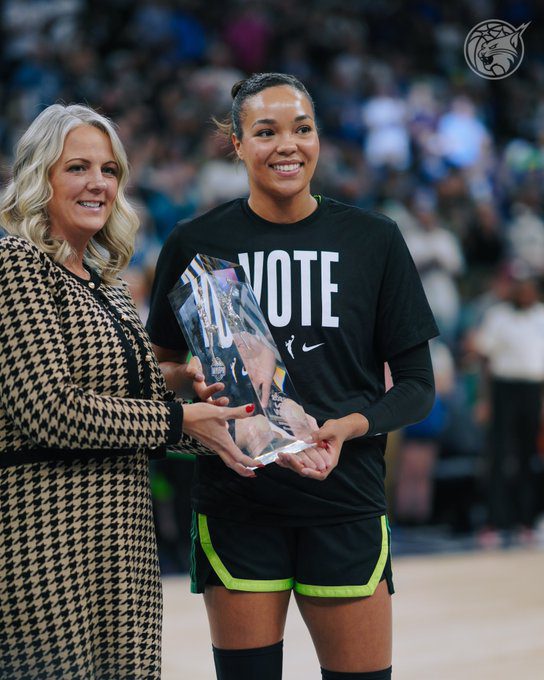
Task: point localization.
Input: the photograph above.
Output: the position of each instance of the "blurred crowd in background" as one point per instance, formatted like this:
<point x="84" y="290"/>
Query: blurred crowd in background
<point x="406" y="128"/>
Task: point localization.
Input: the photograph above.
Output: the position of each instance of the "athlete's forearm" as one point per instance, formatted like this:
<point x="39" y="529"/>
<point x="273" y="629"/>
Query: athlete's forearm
<point x="354" y="425"/>
<point x="412" y="395"/>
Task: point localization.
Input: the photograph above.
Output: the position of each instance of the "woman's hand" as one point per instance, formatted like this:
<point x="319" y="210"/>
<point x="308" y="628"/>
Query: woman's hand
<point x="319" y="461"/>
<point x="208" y="423"/>
<point x="204" y="392"/>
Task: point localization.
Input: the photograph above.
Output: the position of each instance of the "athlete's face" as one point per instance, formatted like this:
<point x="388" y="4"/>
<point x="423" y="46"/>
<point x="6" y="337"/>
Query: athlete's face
<point x="280" y="144"/>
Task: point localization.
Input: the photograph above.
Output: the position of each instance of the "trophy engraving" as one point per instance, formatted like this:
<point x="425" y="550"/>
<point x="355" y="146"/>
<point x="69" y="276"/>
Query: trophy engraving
<point x="225" y="327"/>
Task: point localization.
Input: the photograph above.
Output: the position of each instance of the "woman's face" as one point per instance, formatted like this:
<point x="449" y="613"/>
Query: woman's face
<point x="84" y="182"/>
<point x="280" y="144"/>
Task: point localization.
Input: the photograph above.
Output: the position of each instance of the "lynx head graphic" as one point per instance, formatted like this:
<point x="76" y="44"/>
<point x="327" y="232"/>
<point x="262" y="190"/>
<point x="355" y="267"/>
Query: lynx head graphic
<point x="494" y="49"/>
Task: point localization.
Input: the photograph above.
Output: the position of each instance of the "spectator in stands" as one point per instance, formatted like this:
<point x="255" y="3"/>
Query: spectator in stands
<point x="511" y="344"/>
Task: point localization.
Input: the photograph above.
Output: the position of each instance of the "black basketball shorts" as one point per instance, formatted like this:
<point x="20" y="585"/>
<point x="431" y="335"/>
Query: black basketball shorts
<point x="337" y="560"/>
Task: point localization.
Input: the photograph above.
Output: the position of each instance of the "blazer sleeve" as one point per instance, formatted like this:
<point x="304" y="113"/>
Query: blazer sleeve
<point x="36" y="388"/>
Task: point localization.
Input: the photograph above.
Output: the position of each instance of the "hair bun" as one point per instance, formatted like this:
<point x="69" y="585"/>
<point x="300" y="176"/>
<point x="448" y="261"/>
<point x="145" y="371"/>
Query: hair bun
<point x="237" y="87"/>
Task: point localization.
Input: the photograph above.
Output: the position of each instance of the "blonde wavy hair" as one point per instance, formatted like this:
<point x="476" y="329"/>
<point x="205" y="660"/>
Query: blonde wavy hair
<point x="23" y="205"/>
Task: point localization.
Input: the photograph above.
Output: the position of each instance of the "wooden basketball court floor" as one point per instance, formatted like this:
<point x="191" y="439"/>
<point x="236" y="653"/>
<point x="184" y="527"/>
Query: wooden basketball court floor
<point x="467" y="616"/>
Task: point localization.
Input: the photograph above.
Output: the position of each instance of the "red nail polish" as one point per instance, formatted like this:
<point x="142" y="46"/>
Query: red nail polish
<point x="250" y="408"/>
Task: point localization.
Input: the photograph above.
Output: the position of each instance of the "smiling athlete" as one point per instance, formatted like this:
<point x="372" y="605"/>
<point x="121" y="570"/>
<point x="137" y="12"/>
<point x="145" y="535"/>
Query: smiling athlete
<point x="339" y="281"/>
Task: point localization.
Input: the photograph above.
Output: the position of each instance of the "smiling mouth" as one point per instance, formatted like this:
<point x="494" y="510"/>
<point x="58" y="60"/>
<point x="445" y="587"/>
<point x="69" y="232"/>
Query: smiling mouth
<point x="286" y="167"/>
<point x="91" y="204"/>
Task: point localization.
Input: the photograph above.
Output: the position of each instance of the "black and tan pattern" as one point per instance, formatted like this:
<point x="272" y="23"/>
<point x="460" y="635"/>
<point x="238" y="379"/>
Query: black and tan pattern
<point x="80" y="594"/>
<point x="79" y="578"/>
<point x="70" y="349"/>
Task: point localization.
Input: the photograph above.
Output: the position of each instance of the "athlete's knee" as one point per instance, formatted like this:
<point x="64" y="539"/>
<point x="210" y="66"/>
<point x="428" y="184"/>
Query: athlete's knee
<point x="384" y="674"/>
<point x="264" y="663"/>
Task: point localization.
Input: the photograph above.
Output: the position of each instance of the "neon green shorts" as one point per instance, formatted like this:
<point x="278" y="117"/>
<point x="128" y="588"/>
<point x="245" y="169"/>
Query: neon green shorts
<point x="338" y="560"/>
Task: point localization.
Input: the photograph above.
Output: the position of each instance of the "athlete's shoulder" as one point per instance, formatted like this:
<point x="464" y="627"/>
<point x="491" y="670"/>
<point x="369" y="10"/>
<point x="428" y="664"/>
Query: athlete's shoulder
<point x="184" y="234"/>
<point x="360" y="217"/>
<point x="219" y="215"/>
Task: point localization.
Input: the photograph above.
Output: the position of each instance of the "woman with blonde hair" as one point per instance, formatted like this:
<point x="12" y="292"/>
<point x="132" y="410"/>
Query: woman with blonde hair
<point x="83" y="405"/>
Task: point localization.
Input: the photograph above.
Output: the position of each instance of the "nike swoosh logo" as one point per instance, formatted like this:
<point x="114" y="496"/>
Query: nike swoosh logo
<point x="305" y="347"/>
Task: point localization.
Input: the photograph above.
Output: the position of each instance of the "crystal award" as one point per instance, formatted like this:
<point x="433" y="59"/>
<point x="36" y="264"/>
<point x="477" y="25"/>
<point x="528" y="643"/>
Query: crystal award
<point x="225" y="328"/>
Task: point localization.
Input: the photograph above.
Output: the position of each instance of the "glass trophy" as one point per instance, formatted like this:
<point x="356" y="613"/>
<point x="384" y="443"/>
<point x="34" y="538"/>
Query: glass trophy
<point x="225" y="328"/>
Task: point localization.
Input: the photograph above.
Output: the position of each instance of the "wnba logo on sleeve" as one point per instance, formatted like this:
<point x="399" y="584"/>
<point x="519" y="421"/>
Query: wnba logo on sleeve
<point x="494" y="48"/>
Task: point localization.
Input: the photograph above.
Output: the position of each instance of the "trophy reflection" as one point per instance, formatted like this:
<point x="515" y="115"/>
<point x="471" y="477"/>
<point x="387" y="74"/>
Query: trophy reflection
<point x="225" y="328"/>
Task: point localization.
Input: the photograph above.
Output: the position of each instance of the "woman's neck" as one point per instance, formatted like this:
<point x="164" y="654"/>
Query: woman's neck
<point x="76" y="266"/>
<point x="78" y="246"/>
<point x="287" y="211"/>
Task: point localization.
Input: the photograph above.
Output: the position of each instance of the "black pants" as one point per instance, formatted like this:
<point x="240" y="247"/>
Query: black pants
<point x="513" y="438"/>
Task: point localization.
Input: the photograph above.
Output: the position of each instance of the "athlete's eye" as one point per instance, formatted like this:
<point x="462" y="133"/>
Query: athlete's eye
<point x="76" y="167"/>
<point x="110" y="170"/>
<point x="264" y="133"/>
<point x="304" y="129"/>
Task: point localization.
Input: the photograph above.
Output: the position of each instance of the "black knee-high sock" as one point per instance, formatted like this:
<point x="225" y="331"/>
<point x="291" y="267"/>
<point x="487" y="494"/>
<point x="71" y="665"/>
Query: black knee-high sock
<point x="260" y="663"/>
<point x="384" y="674"/>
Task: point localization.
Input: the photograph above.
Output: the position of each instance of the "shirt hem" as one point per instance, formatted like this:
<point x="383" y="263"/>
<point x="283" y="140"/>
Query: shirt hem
<point x="254" y="517"/>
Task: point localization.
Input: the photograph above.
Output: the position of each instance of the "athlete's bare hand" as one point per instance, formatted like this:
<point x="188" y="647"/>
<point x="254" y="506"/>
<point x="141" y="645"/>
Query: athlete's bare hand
<point x="314" y="458"/>
<point x="302" y="425"/>
<point x="319" y="461"/>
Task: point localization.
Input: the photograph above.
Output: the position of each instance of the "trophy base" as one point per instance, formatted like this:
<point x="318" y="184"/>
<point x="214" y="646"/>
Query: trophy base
<point x="291" y="447"/>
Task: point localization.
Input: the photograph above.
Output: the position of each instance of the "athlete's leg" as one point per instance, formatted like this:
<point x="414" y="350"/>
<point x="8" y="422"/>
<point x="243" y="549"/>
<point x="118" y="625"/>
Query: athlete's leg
<point x="351" y="635"/>
<point x="242" y="620"/>
<point x="246" y="575"/>
<point x="260" y="663"/>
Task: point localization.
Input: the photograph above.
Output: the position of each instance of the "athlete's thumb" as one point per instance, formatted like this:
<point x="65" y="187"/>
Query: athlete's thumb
<point x="321" y="436"/>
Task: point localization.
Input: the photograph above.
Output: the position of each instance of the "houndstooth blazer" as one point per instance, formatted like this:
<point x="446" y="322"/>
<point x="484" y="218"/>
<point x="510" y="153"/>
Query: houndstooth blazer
<point x="77" y="372"/>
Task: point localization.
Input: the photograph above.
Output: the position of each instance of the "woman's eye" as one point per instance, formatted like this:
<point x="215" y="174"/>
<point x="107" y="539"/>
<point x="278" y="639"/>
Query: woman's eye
<point x="304" y="129"/>
<point x="110" y="171"/>
<point x="264" y="133"/>
<point x="76" y="168"/>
